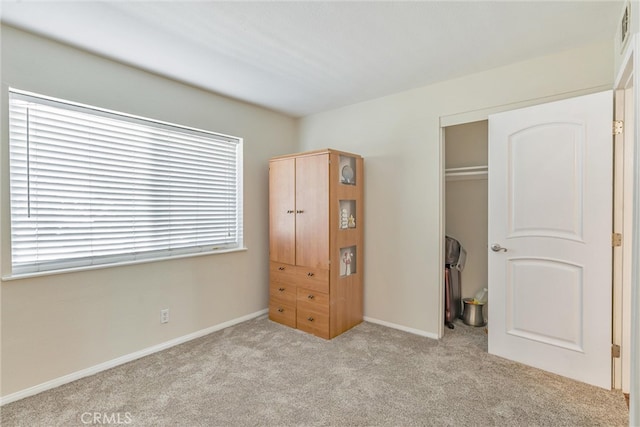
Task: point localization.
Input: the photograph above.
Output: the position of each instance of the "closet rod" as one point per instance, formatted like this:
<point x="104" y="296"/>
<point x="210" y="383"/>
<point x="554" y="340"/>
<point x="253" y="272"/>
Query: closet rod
<point x="472" y="172"/>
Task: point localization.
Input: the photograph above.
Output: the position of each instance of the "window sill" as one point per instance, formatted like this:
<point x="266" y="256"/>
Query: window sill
<point x="11" y="277"/>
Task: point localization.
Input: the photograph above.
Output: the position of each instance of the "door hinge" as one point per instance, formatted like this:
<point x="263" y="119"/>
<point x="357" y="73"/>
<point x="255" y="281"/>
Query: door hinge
<point x="615" y="351"/>
<point x="616" y="239"/>
<point x="618" y="127"/>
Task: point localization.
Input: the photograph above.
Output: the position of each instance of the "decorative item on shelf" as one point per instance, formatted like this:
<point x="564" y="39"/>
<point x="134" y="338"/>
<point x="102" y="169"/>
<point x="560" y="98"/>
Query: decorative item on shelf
<point x="352" y="222"/>
<point x="347" y="175"/>
<point x="346" y="259"/>
<point x="344" y="218"/>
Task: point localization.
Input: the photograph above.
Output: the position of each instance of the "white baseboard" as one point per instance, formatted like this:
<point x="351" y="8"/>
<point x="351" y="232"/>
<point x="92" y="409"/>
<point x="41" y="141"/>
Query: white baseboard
<point x="402" y="328"/>
<point x="124" y="359"/>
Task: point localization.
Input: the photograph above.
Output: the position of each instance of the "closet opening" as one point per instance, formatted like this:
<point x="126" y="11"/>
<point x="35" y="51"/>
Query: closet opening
<point x="466" y="221"/>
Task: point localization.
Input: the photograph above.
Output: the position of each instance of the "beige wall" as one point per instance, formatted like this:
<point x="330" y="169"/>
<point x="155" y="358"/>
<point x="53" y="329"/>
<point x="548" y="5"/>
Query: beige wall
<point x="466" y="201"/>
<point x="59" y="324"/>
<point x="399" y="137"/>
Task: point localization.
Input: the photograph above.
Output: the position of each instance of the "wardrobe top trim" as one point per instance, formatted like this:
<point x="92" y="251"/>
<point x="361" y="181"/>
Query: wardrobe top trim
<point x="315" y="153"/>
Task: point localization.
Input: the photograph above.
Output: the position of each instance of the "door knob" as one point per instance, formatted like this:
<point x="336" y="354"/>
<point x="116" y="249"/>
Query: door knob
<point x="497" y="248"/>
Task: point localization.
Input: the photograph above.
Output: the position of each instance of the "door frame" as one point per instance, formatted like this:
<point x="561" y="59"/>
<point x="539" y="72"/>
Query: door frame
<point x="628" y="75"/>
<point x="624" y="110"/>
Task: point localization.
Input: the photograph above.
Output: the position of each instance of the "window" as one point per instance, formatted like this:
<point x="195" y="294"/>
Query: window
<point x="95" y="187"/>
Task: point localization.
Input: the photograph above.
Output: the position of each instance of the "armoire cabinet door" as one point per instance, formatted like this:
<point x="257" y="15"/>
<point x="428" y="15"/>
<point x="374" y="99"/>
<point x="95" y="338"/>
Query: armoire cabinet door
<point x="312" y="211"/>
<point x="282" y="217"/>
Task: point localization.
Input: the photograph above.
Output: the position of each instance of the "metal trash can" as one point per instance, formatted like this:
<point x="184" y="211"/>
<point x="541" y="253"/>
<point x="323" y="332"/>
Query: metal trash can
<point x="472" y="314"/>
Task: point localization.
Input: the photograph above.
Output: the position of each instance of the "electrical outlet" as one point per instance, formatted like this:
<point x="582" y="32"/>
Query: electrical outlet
<point x="164" y="315"/>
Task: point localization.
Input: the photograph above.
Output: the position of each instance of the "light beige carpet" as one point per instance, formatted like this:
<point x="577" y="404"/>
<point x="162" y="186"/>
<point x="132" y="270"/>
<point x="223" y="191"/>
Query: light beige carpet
<point x="260" y="373"/>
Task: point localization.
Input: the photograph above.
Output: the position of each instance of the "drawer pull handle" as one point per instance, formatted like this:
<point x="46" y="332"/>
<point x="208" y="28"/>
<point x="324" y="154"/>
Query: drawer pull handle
<point x="300" y="211"/>
<point x="310" y="274"/>
<point x="280" y="310"/>
<point x="281" y="289"/>
<point x="281" y="268"/>
<point x="310" y="319"/>
<point x="289" y="211"/>
<point x="310" y="297"/>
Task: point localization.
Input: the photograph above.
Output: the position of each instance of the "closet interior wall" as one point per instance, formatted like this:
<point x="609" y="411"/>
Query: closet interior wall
<point x="466" y="196"/>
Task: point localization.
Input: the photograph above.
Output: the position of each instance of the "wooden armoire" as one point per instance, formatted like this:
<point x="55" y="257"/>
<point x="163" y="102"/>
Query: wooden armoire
<point x="316" y="241"/>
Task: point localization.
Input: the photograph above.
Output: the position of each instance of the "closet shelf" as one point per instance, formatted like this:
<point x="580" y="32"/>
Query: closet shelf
<point x="472" y="172"/>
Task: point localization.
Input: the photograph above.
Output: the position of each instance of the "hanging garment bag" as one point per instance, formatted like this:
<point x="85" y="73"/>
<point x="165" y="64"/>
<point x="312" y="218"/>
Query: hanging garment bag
<point x="452" y="297"/>
<point x="455" y="256"/>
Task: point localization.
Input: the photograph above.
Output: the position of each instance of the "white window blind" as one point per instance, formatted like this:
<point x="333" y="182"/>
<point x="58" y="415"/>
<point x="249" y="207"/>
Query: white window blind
<point x="94" y="187"/>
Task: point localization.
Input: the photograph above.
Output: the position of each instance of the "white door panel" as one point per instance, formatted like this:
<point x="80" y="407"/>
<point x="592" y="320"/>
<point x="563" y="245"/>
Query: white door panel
<point x="533" y="209"/>
<point x="550" y="203"/>
<point x="537" y="279"/>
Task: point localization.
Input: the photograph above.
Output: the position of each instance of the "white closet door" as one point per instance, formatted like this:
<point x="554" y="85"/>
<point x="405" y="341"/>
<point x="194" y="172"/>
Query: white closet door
<point x="550" y="222"/>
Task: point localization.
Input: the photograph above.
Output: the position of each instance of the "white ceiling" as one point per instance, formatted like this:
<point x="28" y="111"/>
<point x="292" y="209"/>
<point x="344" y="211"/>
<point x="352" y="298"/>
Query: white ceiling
<point x="309" y="56"/>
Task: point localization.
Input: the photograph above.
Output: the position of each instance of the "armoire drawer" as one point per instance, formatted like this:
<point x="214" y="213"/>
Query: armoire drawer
<point x="316" y="279"/>
<point x="283" y="292"/>
<point x="313" y="322"/>
<point x="284" y="273"/>
<point x="282" y="312"/>
<point x="313" y="300"/>
<point x="308" y="277"/>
